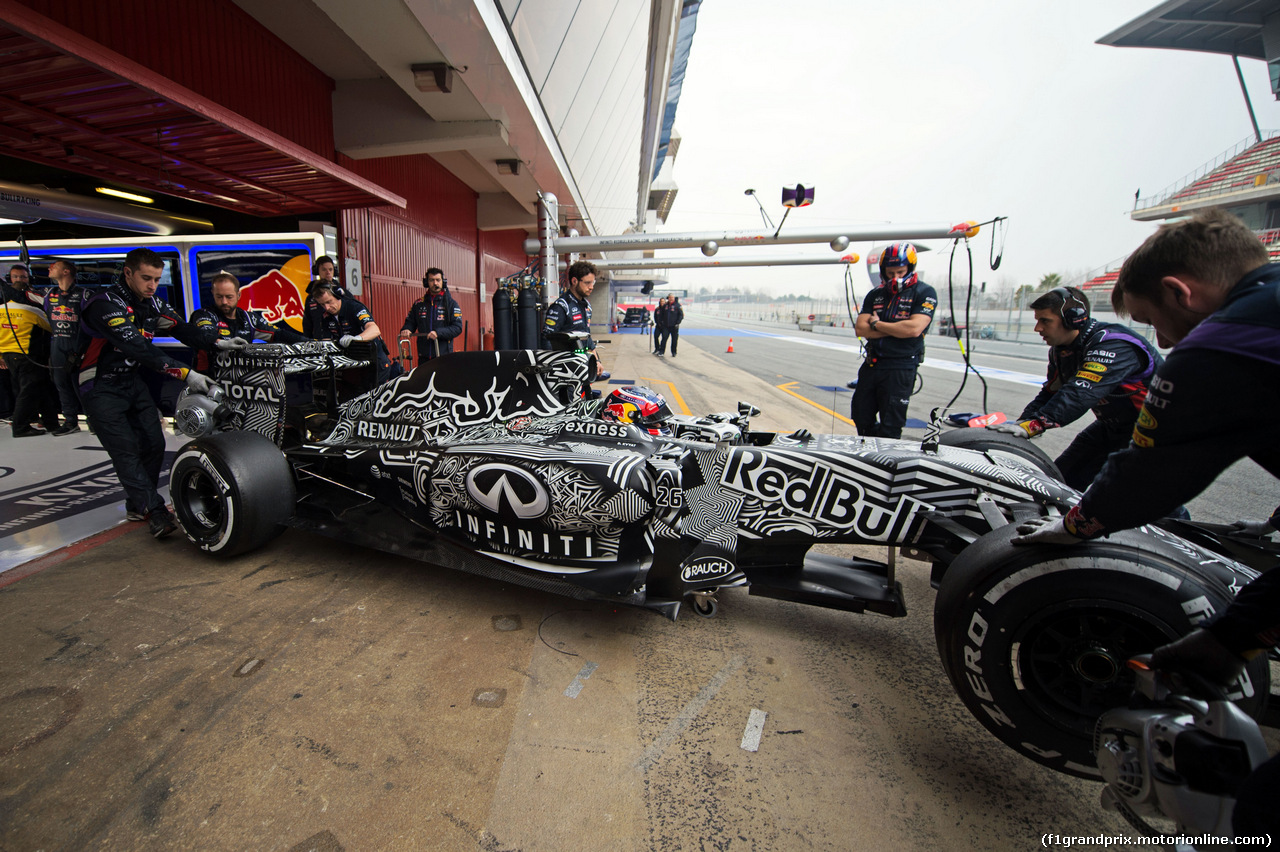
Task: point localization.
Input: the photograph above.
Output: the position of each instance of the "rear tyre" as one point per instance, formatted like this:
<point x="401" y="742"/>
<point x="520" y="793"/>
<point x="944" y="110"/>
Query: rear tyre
<point x="997" y="444"/>
<point x="232" y="491"/>
<point x="1035" y="639"/>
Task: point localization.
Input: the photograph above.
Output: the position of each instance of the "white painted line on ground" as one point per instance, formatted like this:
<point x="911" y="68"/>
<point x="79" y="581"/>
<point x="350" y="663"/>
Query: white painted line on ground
<point x="755" y="727"/>
<point x="579" y="680"/>
<point x="690" y="712"/>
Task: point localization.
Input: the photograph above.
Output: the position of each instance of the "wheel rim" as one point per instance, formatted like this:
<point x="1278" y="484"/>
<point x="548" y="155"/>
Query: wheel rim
<point x="1071" y="660"/>
<point x="198" y="501"/>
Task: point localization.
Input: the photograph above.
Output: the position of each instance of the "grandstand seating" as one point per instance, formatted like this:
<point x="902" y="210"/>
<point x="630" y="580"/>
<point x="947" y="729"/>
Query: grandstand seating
<point x="1255" y="166"/>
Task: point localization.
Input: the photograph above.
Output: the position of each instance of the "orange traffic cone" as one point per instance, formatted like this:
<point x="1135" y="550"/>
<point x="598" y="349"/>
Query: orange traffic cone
<point x="730" y="349"/>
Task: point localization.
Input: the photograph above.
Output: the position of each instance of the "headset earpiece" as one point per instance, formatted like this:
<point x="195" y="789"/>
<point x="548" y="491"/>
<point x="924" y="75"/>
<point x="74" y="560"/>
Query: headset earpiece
<point x="1073" y="317"/>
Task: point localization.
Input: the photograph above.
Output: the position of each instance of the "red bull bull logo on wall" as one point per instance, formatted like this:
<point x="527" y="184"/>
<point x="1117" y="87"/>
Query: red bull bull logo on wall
<point x="279" y="293"/>
<point x="276" y="296"/>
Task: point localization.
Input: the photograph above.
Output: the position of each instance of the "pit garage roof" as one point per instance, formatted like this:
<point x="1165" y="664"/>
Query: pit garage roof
<point x="72" y="104"/>
<point x="1231" y="27"/>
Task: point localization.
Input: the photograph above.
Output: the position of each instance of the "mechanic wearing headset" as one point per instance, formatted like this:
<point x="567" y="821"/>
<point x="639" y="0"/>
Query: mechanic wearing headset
<point x="119" y="325"/>
<point x="324" y="271"/>
<point x="435" y="319"/>
<point x="227" y="326"/>
<point x="24" y="327"/>
<point x="346" y="321"/>
<point x="1092" y="365"/>
<point x="894" y="318"/>
<point x="1206" y="285"/>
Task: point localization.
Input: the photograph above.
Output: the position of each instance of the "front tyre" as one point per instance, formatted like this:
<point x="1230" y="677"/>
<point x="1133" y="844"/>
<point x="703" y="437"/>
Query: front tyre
<point x="232" y="491"/>
<point x="998" y="444"/>
<point x="1035" y="639"/>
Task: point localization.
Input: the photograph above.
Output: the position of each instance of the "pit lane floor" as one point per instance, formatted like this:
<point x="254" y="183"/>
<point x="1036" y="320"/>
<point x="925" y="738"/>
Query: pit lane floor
<point x="314" y="695"/>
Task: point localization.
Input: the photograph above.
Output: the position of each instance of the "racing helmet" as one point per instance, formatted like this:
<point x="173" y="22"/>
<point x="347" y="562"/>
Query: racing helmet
<point x="638" y="406"/>
<point x="898" y="254"/>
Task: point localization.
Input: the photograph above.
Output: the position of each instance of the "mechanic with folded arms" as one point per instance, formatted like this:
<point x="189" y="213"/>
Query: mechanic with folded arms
<point x="63" y="304"/>
<point x="346" y="321"/>
<point x="1092" y="365"/>
<point x="228" y="327"/>
<point x="894" y="319"/>
<point x="1206" y="285"/>
<point x="119" y="325"/>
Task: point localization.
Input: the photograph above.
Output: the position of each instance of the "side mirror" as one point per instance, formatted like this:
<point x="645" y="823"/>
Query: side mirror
<point x="746" y="409"/>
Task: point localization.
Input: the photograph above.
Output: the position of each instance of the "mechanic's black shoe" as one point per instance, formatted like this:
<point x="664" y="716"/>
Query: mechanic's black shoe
<point x="67" y="428"/>
<point x="134" y="515"/>
<point x="28" y="432"/>
<point x="853" y="385"/>
<point x="162" y="522"/>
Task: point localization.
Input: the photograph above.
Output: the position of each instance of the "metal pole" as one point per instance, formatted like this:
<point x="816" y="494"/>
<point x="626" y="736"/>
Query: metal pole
<point x="544" y="246"/>
<point x="711" y="241"/>
<point x="703" y="263"/>
<point x="1257" y="134"/>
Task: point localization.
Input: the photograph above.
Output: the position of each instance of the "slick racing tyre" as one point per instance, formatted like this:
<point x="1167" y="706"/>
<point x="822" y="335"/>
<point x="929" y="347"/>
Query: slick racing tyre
<point x="998" y="443"/>
<point x="232" y="491"/>
<point x="1035" y="639"/>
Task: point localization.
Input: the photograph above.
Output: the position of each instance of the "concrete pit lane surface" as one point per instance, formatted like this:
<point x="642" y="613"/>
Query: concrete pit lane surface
<point x="322" y="696"/>
<point x="316" y="695"/>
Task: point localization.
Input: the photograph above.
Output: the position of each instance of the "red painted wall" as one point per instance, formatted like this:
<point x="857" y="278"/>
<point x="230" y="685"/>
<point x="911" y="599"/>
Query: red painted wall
<point x="437" y="228"/>
<point x="217" y="50"/>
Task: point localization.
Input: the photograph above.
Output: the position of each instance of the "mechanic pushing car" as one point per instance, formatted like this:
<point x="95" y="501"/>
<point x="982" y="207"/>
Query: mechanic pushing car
<point x="434" y="320"/>
<point x="325" y="272"/>
<point x="1094" y="365"/>
<point x="119" y="325"/>
<point x="1206" y="285"/>
<point x="226" y="326"/>
<point x="893" y="320"/>
<point x="346" y="321"/>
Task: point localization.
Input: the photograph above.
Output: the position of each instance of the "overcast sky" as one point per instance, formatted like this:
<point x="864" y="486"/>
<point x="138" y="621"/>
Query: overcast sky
<point x="929" y="111"/>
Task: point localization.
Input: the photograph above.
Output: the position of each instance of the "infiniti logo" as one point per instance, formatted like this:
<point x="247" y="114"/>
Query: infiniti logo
<point x="508" y="490"/>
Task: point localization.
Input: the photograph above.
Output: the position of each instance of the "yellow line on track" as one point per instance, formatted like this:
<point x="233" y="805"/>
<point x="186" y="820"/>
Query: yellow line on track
<point x="675" y="394"/>
<point x="786" y="388"/>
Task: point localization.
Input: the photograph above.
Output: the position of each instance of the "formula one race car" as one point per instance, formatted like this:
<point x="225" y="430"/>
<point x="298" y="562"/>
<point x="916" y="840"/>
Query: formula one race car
<point x="493" y="463"/>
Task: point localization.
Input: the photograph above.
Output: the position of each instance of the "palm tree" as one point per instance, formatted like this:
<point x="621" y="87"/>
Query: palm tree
<point x="1048" y="282"/>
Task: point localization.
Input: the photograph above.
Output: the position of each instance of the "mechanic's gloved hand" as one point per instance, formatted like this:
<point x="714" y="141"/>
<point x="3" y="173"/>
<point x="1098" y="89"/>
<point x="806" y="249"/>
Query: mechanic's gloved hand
<point x="199" y="382"/>
<point x="1045" y="531"/>
<point x="1201" y="654"/>
<point x="1259" y="528"/>
<point x="804" y="436"/>
<point x="346" y="340"/>
<point x="229" y="343"/>
<point x="1023" y="428"/>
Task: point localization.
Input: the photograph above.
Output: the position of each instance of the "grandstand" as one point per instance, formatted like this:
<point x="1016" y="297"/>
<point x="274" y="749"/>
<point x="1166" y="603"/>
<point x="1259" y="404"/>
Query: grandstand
<point x="1244" y="180"/>
<point x="1249" y="178"/>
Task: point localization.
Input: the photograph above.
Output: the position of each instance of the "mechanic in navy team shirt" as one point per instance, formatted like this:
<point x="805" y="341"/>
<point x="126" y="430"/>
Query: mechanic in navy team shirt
<point x="345" y="322"/>
<point x="63" y="305"/>
<point x="893" y="320"/>
<point x="1103" y="366"/>
<point x="1207" y="286"/>
<point x="434" y="320"/>
<point x="572" y="311"/>
<point x="325" y="272"/>
<point x="119" y="325"/>
<point x="227" y="326"/>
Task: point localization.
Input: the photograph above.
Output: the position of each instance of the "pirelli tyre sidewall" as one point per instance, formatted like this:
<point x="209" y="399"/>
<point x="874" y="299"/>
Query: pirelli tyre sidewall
<point x="998" y="443"/>
<point x="232" y="491"/>
<point x="1035" y="639"/>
